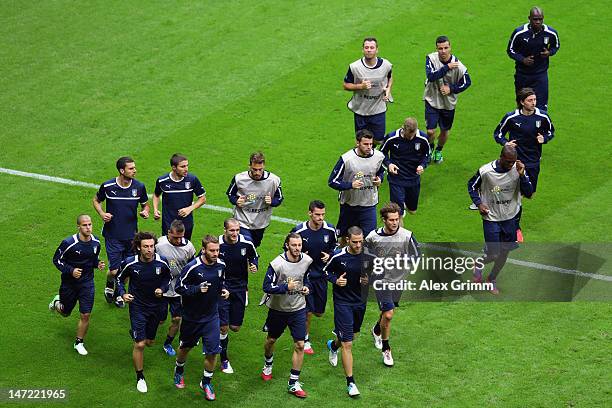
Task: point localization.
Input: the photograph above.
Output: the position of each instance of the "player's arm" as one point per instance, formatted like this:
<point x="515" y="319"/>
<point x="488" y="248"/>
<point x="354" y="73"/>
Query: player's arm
<point x="167" y="278"/>
<point x="349" y="82"/>
<point x="184" y="287"/>
<point x="555" y="44"/>
<point x="473" y="187"/>
<point x="431" y="73"/>
<point x="335" y="178"/>
<point x="464" y="83"/>
<point x="156" y="196"/>
<point x="278" y="197"/>
<point x="232" y="192"/>
<point x="512" y="49"/>
<point x="329" y="271"/>
<point x="97" y="205"/>
<point x="271" y="285"/>
<point x="550" y="133"/>
<point x="144" y="203"/>
<point x="124" y="273"/>
<point x="389" y="86"/>
<point x="59" y="263"/>
<point x="252" y="257"/>
<point x="380" y="175"/>
<point x="425" y="155"/>
<point x="524" y="182"/>
<point x="499" y="134"/>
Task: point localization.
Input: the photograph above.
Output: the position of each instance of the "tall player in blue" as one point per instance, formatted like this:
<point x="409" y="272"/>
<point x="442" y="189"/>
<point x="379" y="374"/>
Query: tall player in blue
<point x="149" y="276"/>
<point x="240" y="257"/>
<point x="202" y="285"/>
<point x="76" y="258"/>
<point x="176" y="190"/>
<point x="122" y="195"/>
<point x="319" y="242"/>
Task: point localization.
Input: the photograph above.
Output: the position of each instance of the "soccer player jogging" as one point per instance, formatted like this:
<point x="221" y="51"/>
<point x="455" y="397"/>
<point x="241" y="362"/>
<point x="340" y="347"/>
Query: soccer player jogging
<point x="370" y="79"/>
<point x="286" y="285"/>
<point x="531" y="45"/>
<point x="122" y="195"/>
<point x="407" y="153"/>
<point x="149" y="277"/>
<point x="202" y="285"/>
<point x="496" y="190"/>
<point x="254" y="193"/>
<point x="357" y="176"/>
<point x="387" y="242"/>
<point x="446" y="78"/>
<point x="178" y="251"/>
<point x="176" y="190"/>
<point x="528" y="128"/>
<point x="347" y="271"/>
<point x="76" y="258"/>
<point x="240" y="258"/>
<point x="319" y="242"/>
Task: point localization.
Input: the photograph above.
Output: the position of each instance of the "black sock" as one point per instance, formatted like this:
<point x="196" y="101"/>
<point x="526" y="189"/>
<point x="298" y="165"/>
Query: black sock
<point x="224" y="343"/>
<point x="294" y="376"/>
<point x="269" y="360"/>
<point x="139" y="375"/>
<point x="349" y="380"/>
<point x="377" y="328"/>
<point x="180" y="367"/>
<point x="439" y="148"/>
<point x="335" y="346"/>
<point x="78" y="340"/>
<point x="386" y="345"/>
<point x="206" y="377"/>
<point x="169" y="340"/>
<point x="110" y="283"/>
<point x="307" y="338"/>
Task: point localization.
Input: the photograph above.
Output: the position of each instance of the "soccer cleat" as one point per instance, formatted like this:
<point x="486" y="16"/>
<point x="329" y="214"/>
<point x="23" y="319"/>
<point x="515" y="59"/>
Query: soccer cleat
<point x="477" y="275"/>
<point x="226" y="367"/>
<point x="437" y="156"/>
<point x="209" y="392"/>
<point x="266" y="373"/>
<point x="519" y="236"/>
<point x="52" y="304"/>
<point x="387" y="358"/>
<point x="333" y="355"/>
<point x="308" y="348"/>
<point x="352" y="390"/>
<point x="296" y="389"/>
<point x="473" y="207"/>
<point x="119" y="302"/>
<point x="80" y="348"/>
<point x="169" y="350"/>
<point x="109" y="293"/>
<point x="377" y="340"/>
<point x="494" y="291"/>
<point x="141" y="385"/>
<point x="179" y="380"/>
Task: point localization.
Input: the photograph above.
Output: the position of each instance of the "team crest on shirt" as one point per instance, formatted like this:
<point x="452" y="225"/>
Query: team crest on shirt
<point x="546" y="40"/>
<point x="220" y="272"/>
<point x="417" y="146"/>
<point x="172" y="263"/>
<point x="538" y="123"/>
<point x="134" y="192"/>
<point x="188" y="184"/>
<point x="158" y="270"/>
<point x="366" y="264"/>
<point x="243" y="251"/>
<point x="326" y="238"/>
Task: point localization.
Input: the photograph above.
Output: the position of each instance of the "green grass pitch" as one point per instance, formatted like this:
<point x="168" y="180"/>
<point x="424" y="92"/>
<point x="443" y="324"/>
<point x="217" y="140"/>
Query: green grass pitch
<point x="86" y="82"/>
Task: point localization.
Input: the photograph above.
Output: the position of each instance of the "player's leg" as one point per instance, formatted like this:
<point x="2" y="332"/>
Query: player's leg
<point x="540" y="87"/>
<point x="86" y="296"/>
<point x="297" y="327"/>
<point x="367" y="219"/>
<point x="138" y="332"/>
<point x="113" y="252"/>
<point x="188" y="338"/>
<point x="361" y="122"/>
<point x="431" y="123"/>
<point x="385" y="328"/>
<point x="276" y="323"/>
<point x="377" y="124"/>
<point x="411" y="198"/>
<point x="397" y="196"/>
<point x="346" y="219"/>
<point x="446" y="123"/>
<point x="212" y="347"/>
<point x="175" y="311"/>
<point x="65" y="301"/>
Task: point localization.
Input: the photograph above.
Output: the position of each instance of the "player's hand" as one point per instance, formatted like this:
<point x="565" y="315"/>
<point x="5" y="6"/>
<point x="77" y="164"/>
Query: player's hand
<point x="511" y="143"/>
<point x="144" y="213"/>
<point x="520" y="167"/>
<point x="291" y="284"/>
<point x="367" y="84"/>
<point x="184" y="212"/>
<point x="357" y="184"/>
<point x="453" y="65"/>
<point x="483" y="209"/>
<point x="241" y="200"/>
<point x="540" y="138"/>
<point x="528" y="60"/>
<point x="101" y="265"/>
<point x="341" y="281"/>
<point x="127" y="298"/>
<point x="268" y="199"/>
<point x="420" y="170"/>
<point x="393" y="169"/>
<point x="545" y="53"/>
<point x="106" y="217"/>
<point x="224" y="293"/>
<point x="445" y="90"/>
<point x="305" y="291"/>
<point x="204" y="287"/>
<point x="252" y="267"/>
<point x="76" y="272"/>
<point x="387" y="95"/>
<point x="376" y="181"/>
<point x="363" y="279"/>
<point x="324" y="257"/>
<point x="156" y="214"/>
<point x="158" y="293"/>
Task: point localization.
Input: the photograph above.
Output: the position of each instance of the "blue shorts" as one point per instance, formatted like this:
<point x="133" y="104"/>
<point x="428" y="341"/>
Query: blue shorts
<point x="116" y="251"/>
<point x="374" y="123"/>
<point x="145" y="321"/>
<point x="231" y="311"/>
<point x="173" y="306"/>
<point x="499" y="236"/>
<point x="192" y="332"/>
<point x="277" y="322"/>
<point x="438" y="117"/>
<point x="70" y="293"/>
<point x="363" y="217"/>
<point x="317" y="298"/>
<point x="253" y="235"/>
<point x="533" y="173"/>
<point x="348" y="320"/>
<point x="537" y="82"/>
<point x="405" y="195"/>
<point x="385" y="299"/>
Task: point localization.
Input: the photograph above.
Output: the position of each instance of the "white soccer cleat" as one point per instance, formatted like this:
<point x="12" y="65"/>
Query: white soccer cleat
<point x="387" y="358"/>
<point x="333" y="355"/>
<point x="352" y="390"/>
<point x="308" y="348"/>
<point x="226" y="367"/>
<point x="52" y="304"/>
<point x="141" y="385"/>
<point x="266" y="373"/>
<point x="80" y="348"/>
<point x="377" y="340"/>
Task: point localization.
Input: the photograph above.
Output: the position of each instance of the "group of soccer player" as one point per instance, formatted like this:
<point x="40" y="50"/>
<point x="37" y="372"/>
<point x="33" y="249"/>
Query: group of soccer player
<point x="205" y="291"/>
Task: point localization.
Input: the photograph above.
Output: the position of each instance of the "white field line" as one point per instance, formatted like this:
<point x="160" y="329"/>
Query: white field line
<point x="533" y="265"/>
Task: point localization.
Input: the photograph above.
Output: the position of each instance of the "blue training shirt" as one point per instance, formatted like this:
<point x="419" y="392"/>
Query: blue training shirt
<point x="237" y="257"/>
<point x="525" y="42"/>
<point x="407" y="155"/>
<point x="144" y="277"/>
<point x="197" y="306"/>
<point x="355" y="266"/>
<point x="176" y="195"/>
<point x="74" y="253"/>
<point x="314" y="243"/>
<point x="122" y="203"/>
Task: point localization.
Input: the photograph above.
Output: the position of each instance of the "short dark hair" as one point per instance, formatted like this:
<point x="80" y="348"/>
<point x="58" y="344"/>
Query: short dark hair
<point x="229" y="221"/>
<point x="81" y="216"/>
<point x="523" y="94"/>
<point x="257" y="158"/>
<point x="389" y="208"/>
<point x="442" y="39"/>
<point x="209" y="239"/>
<point x="354" y="230"/>
<point x="508" y="150"/>
<point x="315" y="204"/>
<point x="123" y="161"/>
<point x="364" y="134"/>
<point x="177" y="226"/>
<point x="141" y="236"/>
<point x="176" y="159"/>
<point x="370" y="39"/>
<point x="291" y="235"/>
